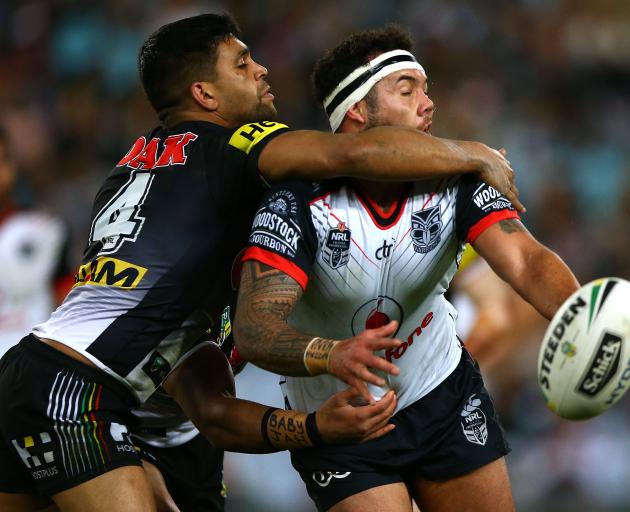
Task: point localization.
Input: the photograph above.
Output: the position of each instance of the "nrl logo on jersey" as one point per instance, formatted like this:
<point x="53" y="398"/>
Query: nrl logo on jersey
<point x="426" y="229"/>
<point x="336" y="250"/>
<point x="474" y="422"/>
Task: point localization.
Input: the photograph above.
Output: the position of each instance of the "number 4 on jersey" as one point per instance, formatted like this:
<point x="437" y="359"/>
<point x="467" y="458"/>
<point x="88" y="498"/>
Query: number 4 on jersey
<point x="120" y="219"/>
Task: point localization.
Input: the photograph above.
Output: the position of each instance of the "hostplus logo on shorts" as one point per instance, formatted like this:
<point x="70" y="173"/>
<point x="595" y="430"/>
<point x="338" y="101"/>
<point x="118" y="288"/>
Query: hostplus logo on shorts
<point x="37" y="454"/>
<point x="323" y="478"/>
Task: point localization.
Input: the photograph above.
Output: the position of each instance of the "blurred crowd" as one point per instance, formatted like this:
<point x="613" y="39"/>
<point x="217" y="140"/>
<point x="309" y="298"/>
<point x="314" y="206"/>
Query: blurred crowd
<point x="547" y="79"/>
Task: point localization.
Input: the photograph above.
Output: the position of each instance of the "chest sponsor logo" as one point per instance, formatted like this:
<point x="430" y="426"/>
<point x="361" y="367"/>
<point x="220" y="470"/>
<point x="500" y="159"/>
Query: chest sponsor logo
<point x="473" y="422"/>
<point x="376" y="313"/>
<point x="145" y="155"/>
<point x="385" y="250"/>
<point x="488" y="198"/>
<point x="323" y="478"/>
<point x="336" y="250"/>
<point x="110" y="272"/>
<point x="426" y="229"/>
<point x="603" y="366"/>
<point x="272" y="231"/>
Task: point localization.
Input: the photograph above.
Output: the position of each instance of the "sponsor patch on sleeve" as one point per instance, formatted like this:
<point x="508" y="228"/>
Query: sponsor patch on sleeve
<point x="488" y="199"/>
<point x="273" y="228"/>
<point x="248" y="135"/>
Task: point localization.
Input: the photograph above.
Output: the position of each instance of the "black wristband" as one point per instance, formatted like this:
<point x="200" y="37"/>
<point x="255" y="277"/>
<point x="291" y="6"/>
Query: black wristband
<point x="313" y="432"/>
<point x="263" y="426"/>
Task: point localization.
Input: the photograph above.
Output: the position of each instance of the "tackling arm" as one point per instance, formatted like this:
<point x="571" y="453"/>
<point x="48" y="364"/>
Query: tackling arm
<point x="203" y="386"/>
<point x="384" y="153"/>
<point x="534" y="271"/>
<point x="263" y="336"/>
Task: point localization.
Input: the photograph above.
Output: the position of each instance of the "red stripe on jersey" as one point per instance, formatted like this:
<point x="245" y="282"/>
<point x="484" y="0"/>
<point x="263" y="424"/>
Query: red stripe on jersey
<point x="370" y="205"/>
<point x="278" y="262"/>
<point x="487" y="221"/>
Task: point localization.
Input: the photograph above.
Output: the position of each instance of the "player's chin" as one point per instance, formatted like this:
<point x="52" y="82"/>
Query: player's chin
<point x="267" y="110"/>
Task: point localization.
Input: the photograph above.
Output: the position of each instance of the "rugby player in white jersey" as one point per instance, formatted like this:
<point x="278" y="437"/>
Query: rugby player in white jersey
<point x="330" y="260"/>
<point x="168" y="222"/>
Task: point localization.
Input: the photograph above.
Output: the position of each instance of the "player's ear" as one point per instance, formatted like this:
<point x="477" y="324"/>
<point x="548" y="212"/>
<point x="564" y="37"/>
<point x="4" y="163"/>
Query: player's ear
<point x="204" y="95"/>
<point x="358" y="112"/>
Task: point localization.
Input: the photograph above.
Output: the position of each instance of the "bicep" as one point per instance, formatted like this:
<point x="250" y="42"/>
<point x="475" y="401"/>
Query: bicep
<point x="507" y="246"/>
<point x="265" y="292"/>
<point x="302" y="154"/>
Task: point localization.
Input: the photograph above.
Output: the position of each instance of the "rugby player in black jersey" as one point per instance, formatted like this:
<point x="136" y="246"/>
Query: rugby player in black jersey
<point x="368" y="254"/>
<point x="167" y="224"/>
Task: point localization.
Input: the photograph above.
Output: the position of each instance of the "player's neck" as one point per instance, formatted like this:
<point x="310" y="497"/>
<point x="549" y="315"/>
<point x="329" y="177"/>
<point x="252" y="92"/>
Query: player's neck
<point x="384" y="194"/>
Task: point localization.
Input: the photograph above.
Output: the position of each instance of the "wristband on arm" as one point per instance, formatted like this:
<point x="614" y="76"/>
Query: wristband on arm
<point x="287" y="430"/>
<point x="317" y="355"/>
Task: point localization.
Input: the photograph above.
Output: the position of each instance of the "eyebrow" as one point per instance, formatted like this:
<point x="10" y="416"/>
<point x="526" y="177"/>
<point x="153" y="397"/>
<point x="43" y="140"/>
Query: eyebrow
<point x="243" y="53"/>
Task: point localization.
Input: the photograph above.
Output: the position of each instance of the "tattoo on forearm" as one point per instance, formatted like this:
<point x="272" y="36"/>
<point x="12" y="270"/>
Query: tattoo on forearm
<point x="512" y="226"/>
<point x="287" y="429"/>
<point x="266" y="299"/>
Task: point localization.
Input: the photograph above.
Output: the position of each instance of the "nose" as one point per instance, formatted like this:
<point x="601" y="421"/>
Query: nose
<point x="260" y="72"/>
<point x="426" y="104"/>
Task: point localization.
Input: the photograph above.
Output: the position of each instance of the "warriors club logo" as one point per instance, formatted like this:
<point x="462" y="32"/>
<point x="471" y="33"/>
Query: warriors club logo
<point x="426" y="228"/>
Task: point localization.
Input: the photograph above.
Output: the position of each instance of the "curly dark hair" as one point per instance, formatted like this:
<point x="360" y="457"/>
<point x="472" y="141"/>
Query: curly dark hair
<point x="354" y="51"/>
<point x="180" y="53"/>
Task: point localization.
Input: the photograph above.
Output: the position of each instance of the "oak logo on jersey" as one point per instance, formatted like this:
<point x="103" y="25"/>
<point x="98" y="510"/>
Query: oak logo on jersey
<point x="426" y="229"/>
<point x="336" y="250"/>
<point x="143" y="155"/>
<point x="248" y="135"/>
<point x="105" y="271"/>
<point x="488" y="198"/>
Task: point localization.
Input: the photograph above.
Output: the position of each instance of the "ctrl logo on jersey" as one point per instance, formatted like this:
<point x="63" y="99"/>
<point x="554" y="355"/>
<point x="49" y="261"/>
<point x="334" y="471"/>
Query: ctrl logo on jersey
<point x="336" y="251"/>
<point x="37" y="454"/>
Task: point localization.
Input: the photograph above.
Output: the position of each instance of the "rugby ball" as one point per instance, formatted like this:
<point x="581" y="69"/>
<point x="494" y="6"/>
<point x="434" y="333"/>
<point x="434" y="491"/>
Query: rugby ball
<point x="584" y="360"/>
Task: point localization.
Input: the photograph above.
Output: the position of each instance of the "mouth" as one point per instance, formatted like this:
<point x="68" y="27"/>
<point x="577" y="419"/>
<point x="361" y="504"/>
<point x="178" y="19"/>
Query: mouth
<point x="266" y="95"/>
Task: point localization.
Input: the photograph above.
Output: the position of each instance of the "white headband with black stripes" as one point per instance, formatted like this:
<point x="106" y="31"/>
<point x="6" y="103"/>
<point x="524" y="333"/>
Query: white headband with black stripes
<point x="357" y="84"/>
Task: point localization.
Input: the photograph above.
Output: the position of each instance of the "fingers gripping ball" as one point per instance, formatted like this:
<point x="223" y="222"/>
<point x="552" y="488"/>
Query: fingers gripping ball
<point x="584" y="360"/>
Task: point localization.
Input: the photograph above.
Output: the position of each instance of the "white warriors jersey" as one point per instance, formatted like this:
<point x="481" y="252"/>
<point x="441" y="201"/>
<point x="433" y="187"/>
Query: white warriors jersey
<point x="361" y="267"/>
<point x="32" y="252"/>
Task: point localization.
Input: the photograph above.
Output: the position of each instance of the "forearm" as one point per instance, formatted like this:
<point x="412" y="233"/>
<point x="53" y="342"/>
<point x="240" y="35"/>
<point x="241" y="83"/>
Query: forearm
<point x="407" y="154"/>
<point x="545" y="281"/>
<point x="238" y="425"/>
<point x="381" y="153"/>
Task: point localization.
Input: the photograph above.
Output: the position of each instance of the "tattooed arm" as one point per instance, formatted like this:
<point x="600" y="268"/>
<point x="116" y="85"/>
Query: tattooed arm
<point x="263" y="336"/>
<point x="534" y="271"/>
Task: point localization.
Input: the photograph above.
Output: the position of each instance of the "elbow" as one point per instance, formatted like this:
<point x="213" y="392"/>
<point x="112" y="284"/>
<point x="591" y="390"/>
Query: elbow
<point x="244" y="339"/>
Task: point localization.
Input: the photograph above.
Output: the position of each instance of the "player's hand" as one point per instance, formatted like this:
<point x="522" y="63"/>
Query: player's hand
<point x="353" y="359"/>
<point x="340" y="422"/>
<point x="497" y="172"/>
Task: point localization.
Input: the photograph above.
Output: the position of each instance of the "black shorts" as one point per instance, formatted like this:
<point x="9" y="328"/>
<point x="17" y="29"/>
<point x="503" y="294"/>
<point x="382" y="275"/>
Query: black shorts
<point x="447" y="433"/>
<point x="193" y="473"/>
<point x="61" y="422"/>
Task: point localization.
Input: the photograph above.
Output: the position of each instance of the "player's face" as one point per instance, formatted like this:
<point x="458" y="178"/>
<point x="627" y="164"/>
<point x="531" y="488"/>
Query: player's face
<point x="402" y="100"/>
<point x="244" y="95"/>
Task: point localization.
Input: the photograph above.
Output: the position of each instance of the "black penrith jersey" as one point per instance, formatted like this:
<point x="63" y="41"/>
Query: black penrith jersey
<point x="167" y="225"/>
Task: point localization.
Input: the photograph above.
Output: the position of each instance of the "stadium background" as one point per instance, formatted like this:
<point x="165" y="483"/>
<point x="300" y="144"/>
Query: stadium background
<point x="547" y="79"/>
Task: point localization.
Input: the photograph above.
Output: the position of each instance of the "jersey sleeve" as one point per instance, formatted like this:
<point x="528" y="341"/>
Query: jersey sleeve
<point x="250" y="139"/>
<point x="479" y="206"/>
<point x="282" y="234"/>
